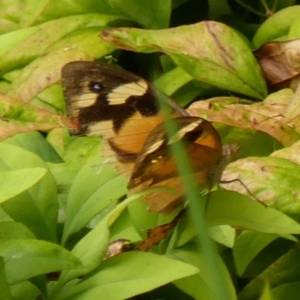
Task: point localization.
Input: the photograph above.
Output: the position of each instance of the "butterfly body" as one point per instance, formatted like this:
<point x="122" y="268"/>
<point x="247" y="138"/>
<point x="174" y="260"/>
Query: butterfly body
<point x="124" y="110"/>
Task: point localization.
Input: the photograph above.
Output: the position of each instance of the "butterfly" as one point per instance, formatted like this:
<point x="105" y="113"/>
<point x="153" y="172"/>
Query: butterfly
<point x="124" y="109"/>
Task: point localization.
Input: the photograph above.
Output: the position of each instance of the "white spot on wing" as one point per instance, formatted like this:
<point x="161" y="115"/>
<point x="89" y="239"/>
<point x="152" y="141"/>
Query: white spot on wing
<point x="120" y="94"/>
<point x="181" y="133"/>
<point x="86" y="100"/>
<point x="154" y="146"/>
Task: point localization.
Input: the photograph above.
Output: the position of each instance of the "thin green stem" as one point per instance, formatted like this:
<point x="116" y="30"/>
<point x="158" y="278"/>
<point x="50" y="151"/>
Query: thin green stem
<point x="250" y="8"/>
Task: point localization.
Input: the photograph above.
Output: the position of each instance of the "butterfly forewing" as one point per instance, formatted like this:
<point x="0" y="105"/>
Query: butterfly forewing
<point x="112" y="103"/>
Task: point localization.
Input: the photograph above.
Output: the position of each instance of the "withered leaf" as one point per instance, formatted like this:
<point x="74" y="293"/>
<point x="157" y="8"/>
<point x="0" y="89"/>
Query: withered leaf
<point x="267" y="116"/>
<point x="116" y="247"/>
<point x="279" y="61"/>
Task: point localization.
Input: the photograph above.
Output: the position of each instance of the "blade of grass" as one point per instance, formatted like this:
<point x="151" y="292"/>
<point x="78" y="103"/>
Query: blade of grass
<point x="197" y="211"/>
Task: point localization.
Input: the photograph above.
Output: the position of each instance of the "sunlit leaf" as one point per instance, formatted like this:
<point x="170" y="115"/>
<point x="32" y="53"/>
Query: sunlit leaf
<point x="230" y="208"/>
<point x="146" y="273"/>
<point x="202" y="50"/>
<point x="276" y="26"/>
<point x="24" y="259"/>
<point x="275" y="182"/>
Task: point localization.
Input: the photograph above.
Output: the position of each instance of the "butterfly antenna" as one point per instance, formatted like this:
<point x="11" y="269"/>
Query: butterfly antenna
<point x="245" y="187"/>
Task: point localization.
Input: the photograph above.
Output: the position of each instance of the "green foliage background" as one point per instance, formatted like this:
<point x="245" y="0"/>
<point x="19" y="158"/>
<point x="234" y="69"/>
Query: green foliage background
<point x="59" y="205"/>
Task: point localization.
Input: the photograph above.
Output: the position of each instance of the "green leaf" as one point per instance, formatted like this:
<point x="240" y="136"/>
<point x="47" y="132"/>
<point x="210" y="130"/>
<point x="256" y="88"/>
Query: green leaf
<point x="275" y="182"/>
<point x="149" y="13"/>
<point x="11" y="39"/>
<point x="25" y="259"/>
<point x="247" y="246"/>
<point x="36" y="143"/>
<point x="36" y="207"/>
<point x="286" y="291"/>
<point x="85" y="201"/>
<point x="92" y="247"/>
<point x="4" y="287"/>
<point x="285" y="270"/>
<point x="15" y="182"/>
<point x="10" y="15"/>
<point x="276" y="26"/>
<point x="24" y="290"/>
<point x="13" y="230"/>
<point x="171" y="81"/>
<point x="129" y="274"/>
<point x="42" y="72"/>
<point x="230" y="208"/>
<point x="17" y="116"/>
<point x="266" y="294"/>
<point x="202" y="50"/>
<point x="198" y="286"/>
<point x="223" y="234"/>
<point x="16" y="53"/>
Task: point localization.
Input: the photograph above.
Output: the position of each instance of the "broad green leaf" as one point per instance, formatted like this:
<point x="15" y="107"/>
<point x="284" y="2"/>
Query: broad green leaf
<point x="195" y="287"/>
<point x="294" y="32"/>
<point x="123" y="228"/>
<point x="275" y="181"/>
<point x="143" y="219"/>
<point x="4" y="287"/>
<point x="44" y="71"/>
<point x="266" y="294"/>
<point x="185" y="232"/>
<point x="13" y="230"/>
<point x="230" y="208"/>
<point x="92" y="247"/>
<point x="17" y="117"/>
<point x="218" y="8"/>
<point x="100" y="201"/>
<point x="276" y="26"/>
<point x="41" y="37"/>
<point x="223" y="234"/>
<point x="85" y="201"/>
<point x="149" y="13"/>
<point x="11" y="39"/>
<point x="248" y="244"/>
<point x="75" y="150"/>
<point x="50" y="99"/>
<point x="24" y="290"/>
<point x="285" y="270"/>
<point x="25" y="259"/>
<point x="202" y="50"/>
<point x="290" y="153"/>
<point x="15" y="182"/>
<point x="36" y="143"/>
<point x="286" y="291"/>
<point x="127" y="275"/>
<point x="171" y="81"/>
<point x="200" y="285"/>
<point x="10" y="15"/>
<point x="36" y="207"/>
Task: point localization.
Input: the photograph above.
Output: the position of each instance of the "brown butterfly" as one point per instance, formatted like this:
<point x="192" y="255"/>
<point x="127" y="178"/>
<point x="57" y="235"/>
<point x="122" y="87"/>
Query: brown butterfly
<point x="124" y="110"/>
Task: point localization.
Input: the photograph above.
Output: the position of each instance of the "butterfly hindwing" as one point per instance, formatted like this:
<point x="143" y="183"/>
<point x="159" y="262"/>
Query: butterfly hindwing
<point x="155" y="165"/>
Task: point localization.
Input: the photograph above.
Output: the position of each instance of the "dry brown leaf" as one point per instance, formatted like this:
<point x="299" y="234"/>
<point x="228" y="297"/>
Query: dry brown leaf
<point x="280" y="61"/>
<point x="267" y="116"/>
<point x="116" y="247"/>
